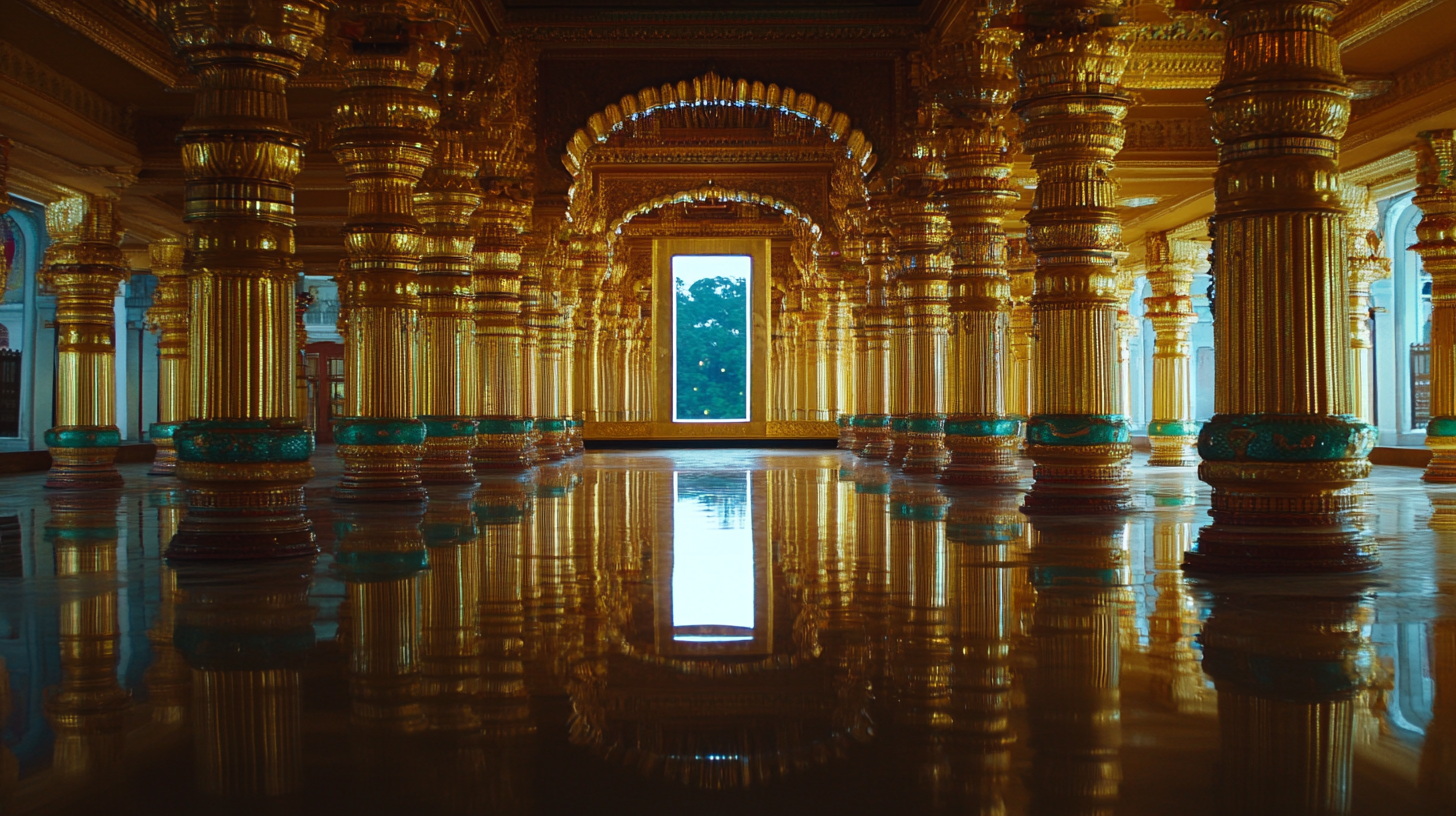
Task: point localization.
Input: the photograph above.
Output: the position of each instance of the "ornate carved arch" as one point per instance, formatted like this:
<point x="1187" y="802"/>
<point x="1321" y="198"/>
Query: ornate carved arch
<point x="713" y="91"/>
<point x="713" y="193"/>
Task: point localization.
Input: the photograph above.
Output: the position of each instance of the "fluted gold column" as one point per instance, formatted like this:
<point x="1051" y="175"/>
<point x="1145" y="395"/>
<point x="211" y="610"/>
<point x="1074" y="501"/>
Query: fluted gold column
<point x="1436" y="244"/>
<point x="168" y="317"/>
<point x="813" y="369"/>
<point x="1073" y="106"/>
<point x="1172" y="433"/>
<point x="1074" y="698"/>
<point x="1020" y="333"/>
<point x="872" y="410"/>
<point x="1288" y="672"/>
<point x="975" y="87"/>
<point x="85" y="269"/>
<point x="304" y="409"/>
<point x="445" y="199"/>
<point x="1368" y="264"/>
<point x="588" y="333"/>
<point x="382" y="137"/>
<point x="87" y="712"/>
<point x="1283" y="453"/>
<point x="242" y="453"/>
<point x="507" y="360"/>
<point x="246" y="638"/>
<point x="531" y="362"/>
<point x="921" y="231"/>
<point x="550" y="318"/>
<point x="838" y="351"/>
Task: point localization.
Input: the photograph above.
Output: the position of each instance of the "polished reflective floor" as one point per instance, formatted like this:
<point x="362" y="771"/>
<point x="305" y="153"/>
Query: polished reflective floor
<point x="719" y="632"/>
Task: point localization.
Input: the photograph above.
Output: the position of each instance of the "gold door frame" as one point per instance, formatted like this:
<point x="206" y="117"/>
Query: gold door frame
<point x="760" y="282"/>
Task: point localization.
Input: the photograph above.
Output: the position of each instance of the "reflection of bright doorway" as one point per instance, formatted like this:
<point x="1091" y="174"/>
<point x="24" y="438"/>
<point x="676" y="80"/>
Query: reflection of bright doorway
<point x="711" y="328"/>
<point x="713" y="586"/>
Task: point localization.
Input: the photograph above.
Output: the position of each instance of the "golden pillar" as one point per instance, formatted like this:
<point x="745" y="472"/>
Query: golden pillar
<point x="242" y="453"/>
<point x="1020" y="332"/>
<point x="813" y="370"/>
<point x="1073" y="109"/>
<point x="588" y="328"/>
<point x="87" y="712"/>
<point x="507" y="354"/>
<point x="1288" y="672"/>
<point x="445" y="199"/>
<point x="1368" y="264"/>
<point x="85" y="269"/>
<point x="872" y="410"/>
<point x="838" y="348"/>
<point x="304" y="408"/>
<point x="383" y="122"/>
<point x="551" y="318"/>
<point x="1172" y="433"/>
<point x="1436" y="244"/>
<point x="975" y="89"/>
<point x="169" y="318"/>
<point x="921" y="231"/>
<point x="1283" y="453"/>
<point x="531" y="362"/>
<point x="1074" y="698"/>
<point x="246" y="638"/>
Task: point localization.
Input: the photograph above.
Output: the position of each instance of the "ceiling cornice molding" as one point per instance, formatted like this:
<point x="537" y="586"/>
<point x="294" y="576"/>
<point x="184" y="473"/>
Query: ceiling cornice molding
<point x="111" y="27"/>
<point x="1365" y="20"/>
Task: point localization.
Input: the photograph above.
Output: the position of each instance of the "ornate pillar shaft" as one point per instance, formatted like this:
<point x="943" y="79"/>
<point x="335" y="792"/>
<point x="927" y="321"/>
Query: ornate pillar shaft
<point x="506" y="364"/>
<point x="85" y="269"/>
<point x="872" y="391"/>
<point x="168" y="317"/>
<point x="1436" y="244"/>
<point x="1283" y="453"/>
<point x="921" y="231"/>
<point x="1078" y="433"/>
<point x="444" y="201"/>
<point x="383" y="139"/>
<point x="1368" y="264"/>
<point x="976" y="87"/>
<point x="1020" y="339"/>
<point x="588" y="328"/>
<point x="531" y="365"/>
<point x="242" y="455"/>
<point x="1172" y="433"/>
<point x="551" y="325"/>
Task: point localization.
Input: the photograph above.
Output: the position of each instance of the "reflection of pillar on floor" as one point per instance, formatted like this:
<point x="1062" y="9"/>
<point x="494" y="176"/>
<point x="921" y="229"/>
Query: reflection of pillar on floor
<point x="246" y="638"/>
<point x="87" y="712"/>
<point x="1282" y="374"/>
<point x="1177" y="678"/>
<point x="503" y="513"/>
<point x="1074" y="701"/>
<point x="168" y="680"/>
<point x="550" y="570"/>
<point x="450" y="680"/>
<point x="1287" y="671"/>
<point x="922" y="658"/>
<point x="1078" y="434"/>
<point x="381" y="554"/>
<point x="243" y="453"/>
<point x="1436" y="235"/>
<point x="982" y="531"/>
<point x="1438" y="756"/>
<point x="84" y="269"/>
<point x="872" y="569"/>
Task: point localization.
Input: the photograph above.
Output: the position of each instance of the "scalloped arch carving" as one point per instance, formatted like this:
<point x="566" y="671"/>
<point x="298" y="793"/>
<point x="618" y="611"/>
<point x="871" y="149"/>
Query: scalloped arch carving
<point x="713" y="193"/>
<point x="713" y="90"/>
